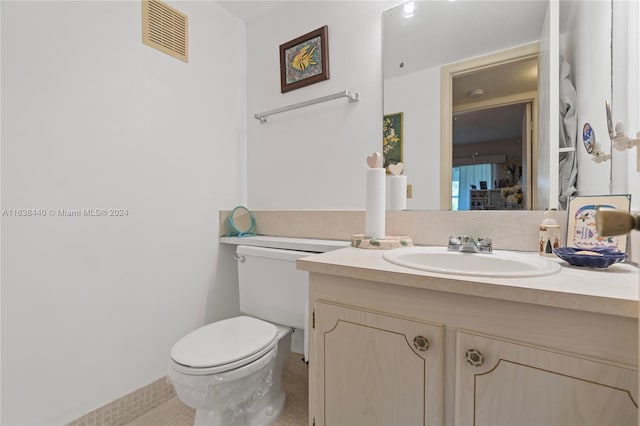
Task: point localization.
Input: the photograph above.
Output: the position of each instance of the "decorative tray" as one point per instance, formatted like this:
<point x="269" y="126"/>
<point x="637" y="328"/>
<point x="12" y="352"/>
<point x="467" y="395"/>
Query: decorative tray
<point x="593" y="257"/>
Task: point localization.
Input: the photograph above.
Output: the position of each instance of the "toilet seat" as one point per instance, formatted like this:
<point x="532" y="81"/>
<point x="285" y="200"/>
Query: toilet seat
<point x="224" y="345"/>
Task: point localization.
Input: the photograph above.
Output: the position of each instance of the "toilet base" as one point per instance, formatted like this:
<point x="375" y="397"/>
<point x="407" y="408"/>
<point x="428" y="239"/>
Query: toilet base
<point x="263" y="416"/>
<point x="203" y="394"/>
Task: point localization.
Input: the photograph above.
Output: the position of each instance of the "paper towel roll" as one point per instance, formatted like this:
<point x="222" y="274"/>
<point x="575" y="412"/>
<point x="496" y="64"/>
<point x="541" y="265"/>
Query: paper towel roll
<point x="374" y="215"/>
<point x="398" y="193"/>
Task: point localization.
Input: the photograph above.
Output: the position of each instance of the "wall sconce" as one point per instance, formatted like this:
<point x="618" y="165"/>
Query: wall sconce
<point x="622" y="141"/>
<point x="619" y="140"/>
<point x="592" y="147"/>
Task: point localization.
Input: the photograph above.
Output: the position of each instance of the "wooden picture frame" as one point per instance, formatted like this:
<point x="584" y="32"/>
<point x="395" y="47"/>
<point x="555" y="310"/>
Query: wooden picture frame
<point x="304" y="60"/>
<point x="581" y="224"/>
<point x="392" y="139"/>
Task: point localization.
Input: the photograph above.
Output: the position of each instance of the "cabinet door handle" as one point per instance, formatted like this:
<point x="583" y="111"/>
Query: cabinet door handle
<point x="421" y="343"/>
<point x="474" y="357"/>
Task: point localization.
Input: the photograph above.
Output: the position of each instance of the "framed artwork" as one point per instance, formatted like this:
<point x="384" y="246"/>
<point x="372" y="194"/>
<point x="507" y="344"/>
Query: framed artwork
<point x="392" y="139"/>
<point x="581" y="224"/>
<point x="304" y="60"/>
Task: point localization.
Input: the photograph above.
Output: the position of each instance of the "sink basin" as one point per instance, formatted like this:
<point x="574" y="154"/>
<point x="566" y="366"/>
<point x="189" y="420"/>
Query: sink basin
<point x="498" y="264"/>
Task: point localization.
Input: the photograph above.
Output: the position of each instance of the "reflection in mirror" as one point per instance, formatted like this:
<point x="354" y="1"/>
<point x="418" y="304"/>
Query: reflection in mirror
<point x="490" y="159"/>
<point x="442" y="35"/>
<point x="242" y="219"/>
<point x="492" y="137"/>
<point x="585" y="28"/>
<point x="416" y="52"/>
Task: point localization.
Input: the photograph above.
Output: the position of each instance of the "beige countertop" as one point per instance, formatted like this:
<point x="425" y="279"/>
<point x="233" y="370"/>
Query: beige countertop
<point x="612" y="291"/>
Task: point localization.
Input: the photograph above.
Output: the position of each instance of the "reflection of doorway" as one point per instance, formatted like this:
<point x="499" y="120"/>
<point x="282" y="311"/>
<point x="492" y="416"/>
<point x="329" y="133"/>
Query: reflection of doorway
<point x="491" y="149"/>
<point x="479" y="90"/>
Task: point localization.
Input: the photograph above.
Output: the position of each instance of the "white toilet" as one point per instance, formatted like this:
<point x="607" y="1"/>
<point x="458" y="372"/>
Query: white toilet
<point x="230" y="371"/>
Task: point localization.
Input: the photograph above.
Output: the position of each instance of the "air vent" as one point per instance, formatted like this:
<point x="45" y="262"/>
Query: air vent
<point x="165" y="29"/>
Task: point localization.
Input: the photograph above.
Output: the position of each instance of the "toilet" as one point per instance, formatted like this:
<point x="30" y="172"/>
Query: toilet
<point x="230" y="371"/>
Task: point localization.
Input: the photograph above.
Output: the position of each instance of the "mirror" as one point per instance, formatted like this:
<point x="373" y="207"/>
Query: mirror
<point x="241" y="223"/>
<point x="447" y="64"/>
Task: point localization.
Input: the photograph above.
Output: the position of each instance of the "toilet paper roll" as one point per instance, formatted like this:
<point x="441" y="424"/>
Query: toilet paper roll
<point x="374" y="215"/>
<point x="398" y="193"/>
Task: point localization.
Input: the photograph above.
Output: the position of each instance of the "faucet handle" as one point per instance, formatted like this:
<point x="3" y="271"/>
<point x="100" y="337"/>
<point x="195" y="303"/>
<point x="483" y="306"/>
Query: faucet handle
<point x="466" y="239"/>
<point x="484" y="241"/>
<point x="485" y="245"/>
<point x="454" y="243"/>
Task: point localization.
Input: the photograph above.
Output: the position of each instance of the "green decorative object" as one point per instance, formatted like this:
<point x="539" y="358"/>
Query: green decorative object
<point x="241" y="223"/>
<point x="387" y="243"/>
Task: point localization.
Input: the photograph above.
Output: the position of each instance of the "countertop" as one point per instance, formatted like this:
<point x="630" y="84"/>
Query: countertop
<point x="612" y="291"/>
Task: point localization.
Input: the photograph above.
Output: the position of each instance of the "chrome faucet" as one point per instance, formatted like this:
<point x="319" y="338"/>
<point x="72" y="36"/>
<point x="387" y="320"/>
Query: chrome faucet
<point x="469" y="244"/>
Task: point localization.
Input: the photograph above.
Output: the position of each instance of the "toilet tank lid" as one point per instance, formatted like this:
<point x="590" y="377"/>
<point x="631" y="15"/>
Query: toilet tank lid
<point x="223" y="342"/>
<point x="271" y="253"/>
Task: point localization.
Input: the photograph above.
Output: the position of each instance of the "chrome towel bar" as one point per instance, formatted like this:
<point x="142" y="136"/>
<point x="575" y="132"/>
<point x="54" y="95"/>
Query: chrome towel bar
<point x="353" y="97"/>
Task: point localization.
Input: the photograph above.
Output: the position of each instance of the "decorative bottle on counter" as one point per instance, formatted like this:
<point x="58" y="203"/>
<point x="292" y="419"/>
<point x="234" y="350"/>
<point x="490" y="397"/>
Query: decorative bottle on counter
<point x="549" y="235"/>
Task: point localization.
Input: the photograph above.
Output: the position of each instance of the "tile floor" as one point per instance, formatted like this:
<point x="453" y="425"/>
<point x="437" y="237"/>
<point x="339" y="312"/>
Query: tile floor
<point x="295" y="381"/>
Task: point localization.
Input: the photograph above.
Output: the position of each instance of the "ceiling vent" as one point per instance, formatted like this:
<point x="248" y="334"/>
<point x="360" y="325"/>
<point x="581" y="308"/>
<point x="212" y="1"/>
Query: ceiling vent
<point x="165" y="29"/>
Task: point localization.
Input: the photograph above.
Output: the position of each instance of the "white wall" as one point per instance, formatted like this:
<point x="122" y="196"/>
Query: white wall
<point x="590" y="60"/>
<point x="417" y="96"/>
<point x="626" y="97"/>
<point x="315" y="158"/>
<point x="91" y="118"/>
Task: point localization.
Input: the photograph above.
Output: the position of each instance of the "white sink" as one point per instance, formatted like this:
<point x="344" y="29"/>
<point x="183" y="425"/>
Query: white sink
<point x="497" y="264"/>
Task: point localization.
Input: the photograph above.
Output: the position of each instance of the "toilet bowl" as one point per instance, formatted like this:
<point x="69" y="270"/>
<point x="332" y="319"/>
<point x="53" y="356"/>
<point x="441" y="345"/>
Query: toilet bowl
<point x="230" y="371"/>
<point x="234" y="389"/>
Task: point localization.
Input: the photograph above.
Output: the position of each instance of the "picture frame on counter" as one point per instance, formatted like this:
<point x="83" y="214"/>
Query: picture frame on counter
<point x="581" y="223"/>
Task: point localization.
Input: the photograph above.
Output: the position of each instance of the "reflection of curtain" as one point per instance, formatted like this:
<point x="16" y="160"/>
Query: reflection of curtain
<point x="472" y="175"/>
<point x="568" y="133"/>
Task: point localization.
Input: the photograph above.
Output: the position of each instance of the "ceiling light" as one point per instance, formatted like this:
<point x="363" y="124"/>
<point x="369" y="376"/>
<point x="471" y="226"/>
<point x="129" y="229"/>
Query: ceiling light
<point x="409" y="8"/>
<point x="476" y="93"/>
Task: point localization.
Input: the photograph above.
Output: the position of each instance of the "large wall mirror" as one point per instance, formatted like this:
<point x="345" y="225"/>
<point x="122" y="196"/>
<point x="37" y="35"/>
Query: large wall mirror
<point x="487" y="120"/>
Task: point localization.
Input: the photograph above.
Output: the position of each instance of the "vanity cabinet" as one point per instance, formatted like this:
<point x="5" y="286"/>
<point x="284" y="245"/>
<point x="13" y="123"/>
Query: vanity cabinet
<point x="377" y="369"/>
<point x="488" y="361"/>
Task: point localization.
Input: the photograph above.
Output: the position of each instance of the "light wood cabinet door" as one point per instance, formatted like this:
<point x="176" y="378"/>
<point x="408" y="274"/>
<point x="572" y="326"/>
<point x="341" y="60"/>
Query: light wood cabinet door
<point x="509" y="383"/>
<point x="376" y="369"/>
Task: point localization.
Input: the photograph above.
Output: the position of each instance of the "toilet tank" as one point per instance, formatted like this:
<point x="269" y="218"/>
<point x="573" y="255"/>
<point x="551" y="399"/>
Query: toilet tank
<point x="271" y="288"/>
